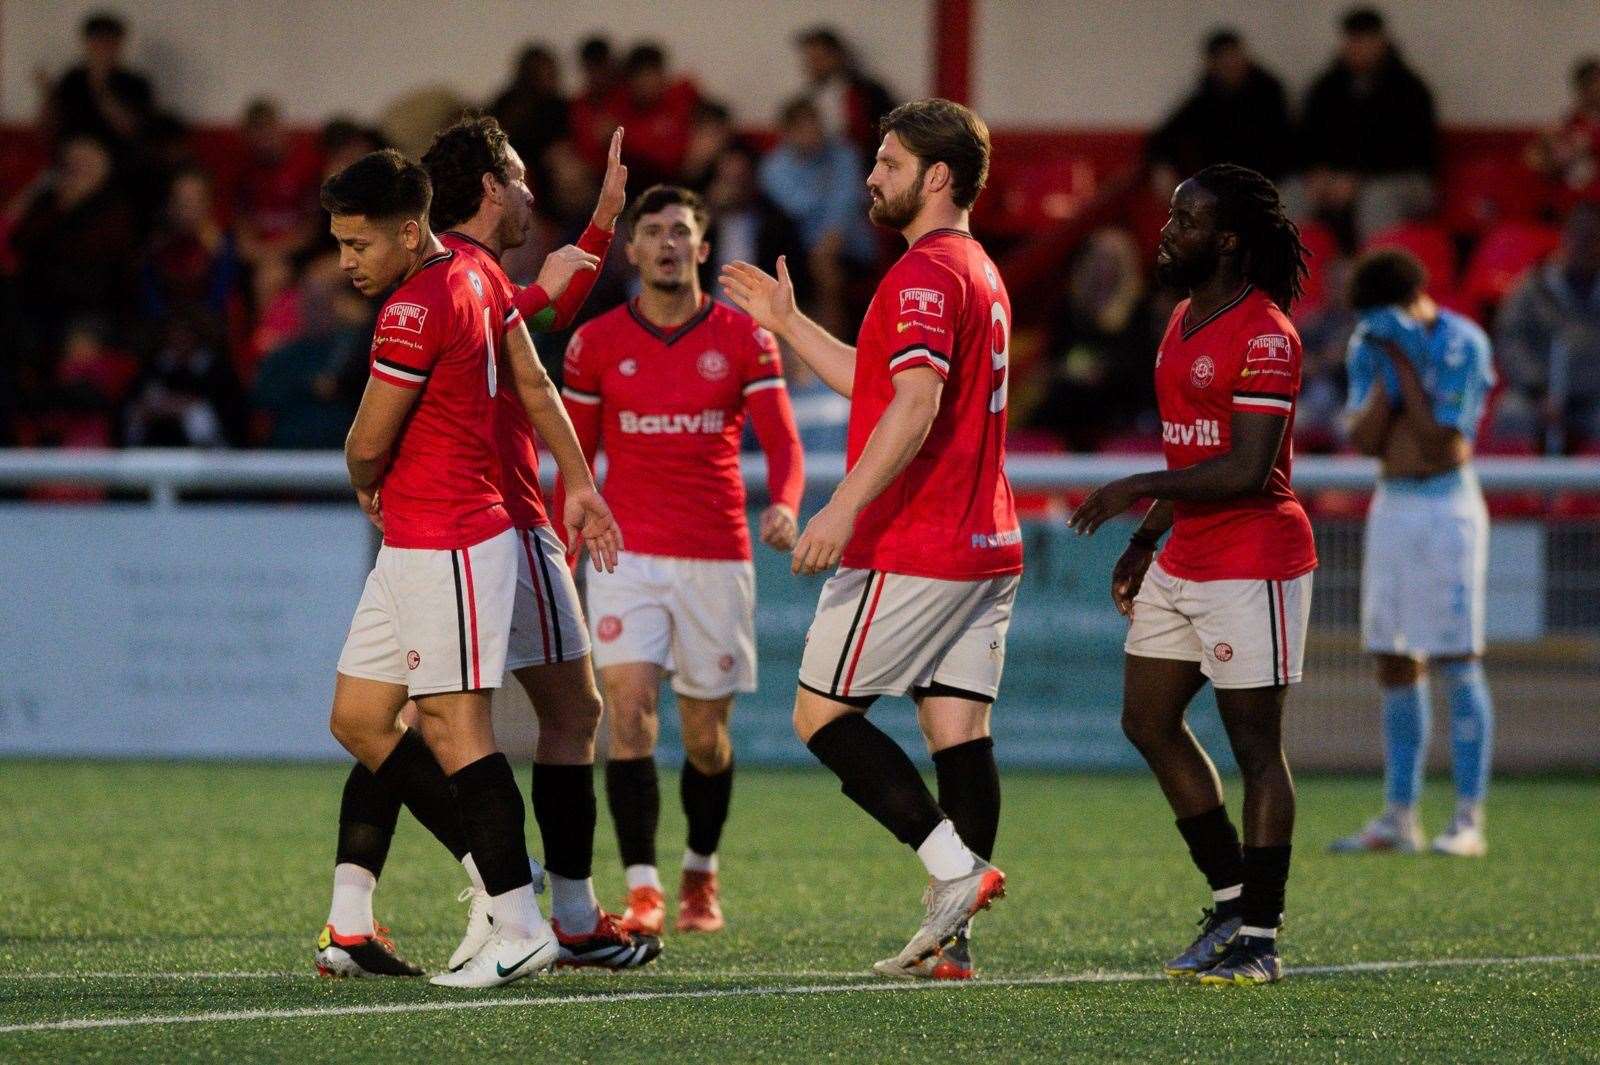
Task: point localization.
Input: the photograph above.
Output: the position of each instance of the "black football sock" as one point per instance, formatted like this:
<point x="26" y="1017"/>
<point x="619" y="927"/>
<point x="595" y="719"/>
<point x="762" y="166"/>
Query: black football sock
<point x="1214" y="846"/>
<point x="492" y="813"/>
<point x="705" y="805"/>
<point x="878" y="777"/>
<point x="634" y="795"/>
<point x="564" y="806"/>
<point x="969" y="791"/>
<point x="368" y="813"/>
<point x="1266" y="875"/>
<point x="412" y="773"/>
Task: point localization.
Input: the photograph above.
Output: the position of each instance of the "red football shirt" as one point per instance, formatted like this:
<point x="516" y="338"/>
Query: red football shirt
<point x="1244" y="357"/>
<point x="439" y="332"/>
<point x="519" y="459"/>
<point x="668" y="409"/>
<point x="950" y="513"/>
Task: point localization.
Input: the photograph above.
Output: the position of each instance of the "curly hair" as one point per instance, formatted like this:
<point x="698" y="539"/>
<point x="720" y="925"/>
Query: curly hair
<point x="1386" y="277"/>
<point x="456" y="162"/>
<point x="1271" y="254"/>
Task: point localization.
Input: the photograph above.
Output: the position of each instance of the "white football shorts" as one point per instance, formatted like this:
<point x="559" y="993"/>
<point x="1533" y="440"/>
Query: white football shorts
<point x="547" y="619"/>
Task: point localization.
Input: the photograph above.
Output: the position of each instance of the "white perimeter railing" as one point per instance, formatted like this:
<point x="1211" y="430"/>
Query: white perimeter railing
<point x="166" y="473"/>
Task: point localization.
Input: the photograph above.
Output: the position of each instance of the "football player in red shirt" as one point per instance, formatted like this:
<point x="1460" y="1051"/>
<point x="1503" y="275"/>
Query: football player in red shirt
<point x="1230" y="597"/>
<point x="923" y="527"/>
<point x="435" y="616"/>
<point x="663" y="385"/>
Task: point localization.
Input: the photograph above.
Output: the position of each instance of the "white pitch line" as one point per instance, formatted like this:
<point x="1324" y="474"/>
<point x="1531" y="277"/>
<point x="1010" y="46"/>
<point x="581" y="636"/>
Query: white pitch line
<point x="301" y="974"/>
<point x="83" y="1023"/>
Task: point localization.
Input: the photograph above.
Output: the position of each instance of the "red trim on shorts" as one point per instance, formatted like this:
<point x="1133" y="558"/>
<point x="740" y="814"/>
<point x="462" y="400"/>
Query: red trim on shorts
<point x="472" y="613"/>
<point x="866" y="625"/>
<point x="538" y="596"/>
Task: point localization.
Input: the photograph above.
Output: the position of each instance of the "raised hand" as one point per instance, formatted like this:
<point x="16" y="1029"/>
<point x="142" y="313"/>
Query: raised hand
<point x="614" y="188"/>
<point x="560" y="266"/>
<point x="767" y="299"/>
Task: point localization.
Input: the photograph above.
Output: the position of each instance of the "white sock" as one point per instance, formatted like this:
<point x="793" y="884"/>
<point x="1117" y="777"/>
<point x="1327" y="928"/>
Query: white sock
<point x="944" y="855"/>
<point x="573" y="904"/>
<point x="351" y="912"/>
<point x="472" y="872"/>
<point x="1227" y="894"/>
<point x="642" y="876"/>
<point x="1259" y="933"/>
<point x="699" y="863"/>
<point x="516" y="912"/>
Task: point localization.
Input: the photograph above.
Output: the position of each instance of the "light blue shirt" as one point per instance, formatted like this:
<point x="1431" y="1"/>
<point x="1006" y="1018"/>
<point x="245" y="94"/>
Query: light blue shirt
<point x="823" y="193"/>
<point x="1452" y="357"/>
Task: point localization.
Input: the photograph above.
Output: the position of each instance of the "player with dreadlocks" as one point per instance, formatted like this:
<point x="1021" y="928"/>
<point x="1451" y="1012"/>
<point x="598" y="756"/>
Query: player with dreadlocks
<point x="1230" y="597"/>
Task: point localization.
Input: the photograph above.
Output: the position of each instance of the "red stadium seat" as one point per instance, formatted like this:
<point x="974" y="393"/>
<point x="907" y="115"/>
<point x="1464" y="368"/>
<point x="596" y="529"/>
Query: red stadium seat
<point x="1324" y="248"/>
<point x="1503" y="255"/>
<point x="1487" y="189"/>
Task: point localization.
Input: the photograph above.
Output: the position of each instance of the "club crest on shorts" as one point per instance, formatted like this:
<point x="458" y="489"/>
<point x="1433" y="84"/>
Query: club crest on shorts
<point x="1222" y="652"/>
<point x="413" y="660"/>
<point x="713" y="365"/>
<point x="1202" y="372"/>
<point x="608" y="628"/>
<point x="725" y="663"/>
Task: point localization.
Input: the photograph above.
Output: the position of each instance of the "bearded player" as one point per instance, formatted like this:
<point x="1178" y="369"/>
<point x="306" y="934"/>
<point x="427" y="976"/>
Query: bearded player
<point x="1230" y="597"/>
<point x="663" y="385"/>
<point x="923" y="527"/>
<point x="434" y="618"/>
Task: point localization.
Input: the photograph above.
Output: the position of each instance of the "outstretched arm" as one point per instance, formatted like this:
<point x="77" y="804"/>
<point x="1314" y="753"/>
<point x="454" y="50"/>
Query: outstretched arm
<point x="770" y="301"/>
<point x="547" y="313"/>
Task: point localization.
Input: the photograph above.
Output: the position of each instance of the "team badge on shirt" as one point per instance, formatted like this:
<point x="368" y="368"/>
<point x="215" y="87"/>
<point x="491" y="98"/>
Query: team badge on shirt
<point x="1202" y="372"/>
<point x="713" y="365"/>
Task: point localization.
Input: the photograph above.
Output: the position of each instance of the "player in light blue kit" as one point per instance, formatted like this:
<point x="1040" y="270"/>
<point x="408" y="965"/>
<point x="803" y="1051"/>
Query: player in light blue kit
<point x="1419" y="378"/>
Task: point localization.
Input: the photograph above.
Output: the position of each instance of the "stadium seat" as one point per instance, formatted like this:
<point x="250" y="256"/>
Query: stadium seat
<point x="1324" y="248"/>
<point x="1502" y="256"/>
<point x="1479" y="192"/>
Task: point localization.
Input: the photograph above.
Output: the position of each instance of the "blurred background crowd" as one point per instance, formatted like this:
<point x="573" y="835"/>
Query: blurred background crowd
<point x="169" y="285"/>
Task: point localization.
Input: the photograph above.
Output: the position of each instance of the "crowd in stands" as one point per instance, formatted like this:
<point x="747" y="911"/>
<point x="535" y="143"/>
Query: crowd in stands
<point x="157" y="292"/>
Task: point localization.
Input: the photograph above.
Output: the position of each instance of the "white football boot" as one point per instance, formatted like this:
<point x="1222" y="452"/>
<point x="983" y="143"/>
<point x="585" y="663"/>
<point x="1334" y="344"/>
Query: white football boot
<point x="1464" y="837"/>
<point x="503" y="960"/>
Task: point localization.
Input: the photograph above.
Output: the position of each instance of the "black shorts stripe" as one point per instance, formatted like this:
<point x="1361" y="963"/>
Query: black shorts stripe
<point x="549" y="596"/>
<point x="936" y="688"/>
<point x="1272" y="626"/>
<point x="858" y="702"/>
<point x="461" y="616"/>
<point x="844" y="655"/>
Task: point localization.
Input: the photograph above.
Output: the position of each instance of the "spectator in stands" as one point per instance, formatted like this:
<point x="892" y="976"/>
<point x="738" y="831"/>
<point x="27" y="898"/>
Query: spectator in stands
<point x="746" y="225"/>
<point x="1101" y="349"/>
<point x="1570" y="154"/>
<point x="191" y="261"/>
<point x="276" y="203"/>
<point x="100" y="97"/>
<point x="1369" y="136"/>
<point x="78" y="407"/>
<point x="711" y="132"/>
<point x="658" y="110"/>
<point x="186" y="394"/>
<point x="820" y="183"/>
<point x="76" y="242"/>
<point x="593" y="112"/>
<point x="1237" y="114"/>
<point x="310" y="387"/>
<point x="848" y="102"/>
<point x="533" y="112"/>
<point x="1549" y="344"/>
<point x="343" y="141"/>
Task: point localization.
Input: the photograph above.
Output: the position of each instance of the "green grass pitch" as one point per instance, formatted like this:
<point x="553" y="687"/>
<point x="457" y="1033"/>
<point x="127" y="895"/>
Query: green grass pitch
<point x="114" y="878"/>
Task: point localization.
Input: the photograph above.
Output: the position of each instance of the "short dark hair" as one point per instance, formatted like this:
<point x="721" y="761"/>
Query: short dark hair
<point x="379" y="185"/>
<point x="795" y="109"/>
<point x="657" y="197"/>
<point x="1386" y="277"/>
<point x="1584" y="68"/>
<point x="456" y="162"/>
<point x="1360" y="20"/>
<point x="942" y="131"/>
<point x="646" y="56"/>
<point x="1224" y="37"/>
<point x="104" y="24"/>
<point x="261" y="109"/>
<point x="594" y="50"/>
<point x="826" y="36"/>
